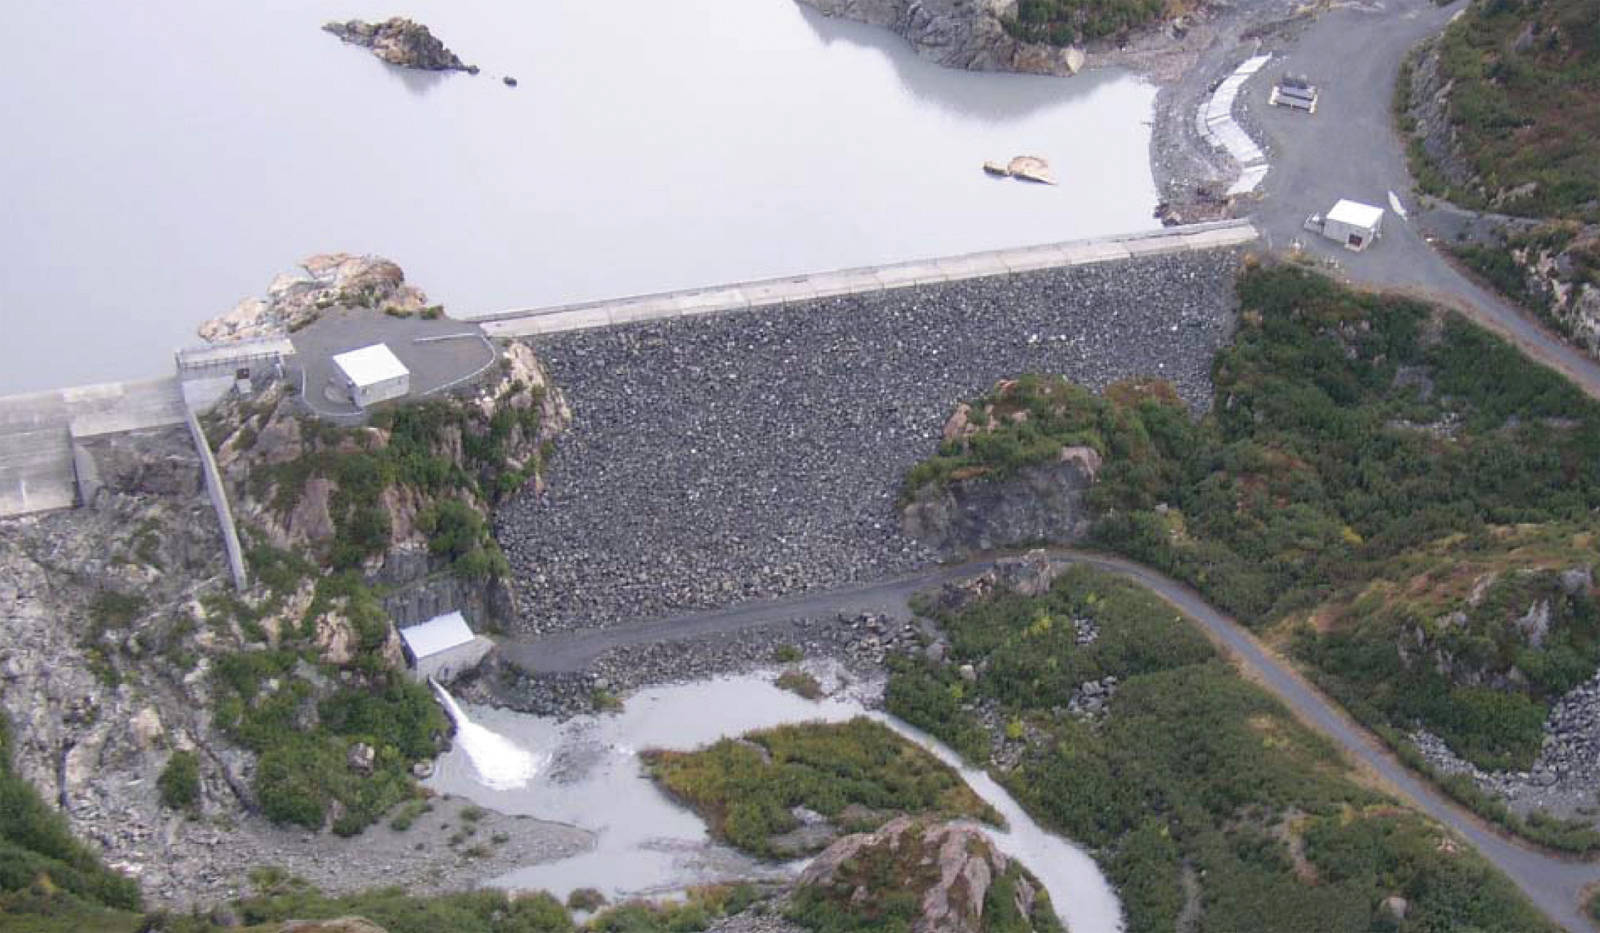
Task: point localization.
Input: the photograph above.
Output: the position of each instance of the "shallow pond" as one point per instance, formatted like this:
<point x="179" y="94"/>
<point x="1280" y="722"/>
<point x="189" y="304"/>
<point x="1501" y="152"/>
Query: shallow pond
<point x="167" y="157"/>
<point x="586" y="771"/>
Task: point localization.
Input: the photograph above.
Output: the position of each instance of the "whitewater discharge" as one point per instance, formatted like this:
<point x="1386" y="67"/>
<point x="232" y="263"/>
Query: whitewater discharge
<point x="501" y="763"/>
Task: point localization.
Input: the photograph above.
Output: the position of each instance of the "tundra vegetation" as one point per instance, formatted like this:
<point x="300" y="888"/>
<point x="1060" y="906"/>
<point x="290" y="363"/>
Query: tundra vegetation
<point x="1511" y="146"/>
<point x="1190" y="776"/>
<point x="1391" y="494"/>
<point x="857" y="773"/>
<point x="1530" y="152"/>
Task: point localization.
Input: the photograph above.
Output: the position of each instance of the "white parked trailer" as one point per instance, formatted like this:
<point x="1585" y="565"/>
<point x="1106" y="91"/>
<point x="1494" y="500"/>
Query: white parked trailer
<point x="373" y="374"/>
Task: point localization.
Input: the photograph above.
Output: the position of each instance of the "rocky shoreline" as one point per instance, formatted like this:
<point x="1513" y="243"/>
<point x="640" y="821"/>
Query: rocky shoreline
<point x="400" y="41"/>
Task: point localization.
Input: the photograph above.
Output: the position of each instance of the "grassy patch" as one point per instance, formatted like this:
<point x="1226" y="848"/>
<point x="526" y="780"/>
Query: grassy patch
<point x="1194" y="766"/>
<point x="745" y="788"/>
<point x="800" y="683"/>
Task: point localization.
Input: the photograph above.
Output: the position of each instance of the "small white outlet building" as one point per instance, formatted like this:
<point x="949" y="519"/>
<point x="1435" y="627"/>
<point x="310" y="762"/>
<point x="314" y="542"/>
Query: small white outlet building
<point x="1354" y="224"/>
<point x="373" y="374"/>
<point x="443" y="647"/>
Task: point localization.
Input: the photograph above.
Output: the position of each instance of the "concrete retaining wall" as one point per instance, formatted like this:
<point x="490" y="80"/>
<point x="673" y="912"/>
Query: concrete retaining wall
<point x="219" y="499"/>
<point x="743" y="295"/>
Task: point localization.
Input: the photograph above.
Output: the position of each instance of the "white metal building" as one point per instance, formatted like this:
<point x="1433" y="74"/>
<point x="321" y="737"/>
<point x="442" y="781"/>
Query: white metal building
<point x="1352" y="223"/>
<point x="373" y="374"/>
<point x="443" y="647"/>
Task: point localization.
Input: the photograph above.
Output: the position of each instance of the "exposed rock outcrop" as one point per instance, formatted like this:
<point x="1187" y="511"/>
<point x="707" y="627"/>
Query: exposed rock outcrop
<point x="400" y="41"/>
<point x="952" y="869"/>
<point x="959" y="33"/>
<point x="294" y="300"/>
<point x="1041" y="503"/>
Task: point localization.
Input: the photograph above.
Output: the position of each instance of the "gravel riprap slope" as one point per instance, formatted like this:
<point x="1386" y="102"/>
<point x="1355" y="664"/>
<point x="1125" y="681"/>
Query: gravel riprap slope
<point x="757" y="453"/>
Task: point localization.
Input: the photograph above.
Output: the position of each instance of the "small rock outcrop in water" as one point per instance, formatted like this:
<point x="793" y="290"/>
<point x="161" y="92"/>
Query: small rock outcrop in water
<point x="400" y="41"/>
<point x="961" y="883"/>
<point x="958" y="33"/>
<point x="294" y="300"/>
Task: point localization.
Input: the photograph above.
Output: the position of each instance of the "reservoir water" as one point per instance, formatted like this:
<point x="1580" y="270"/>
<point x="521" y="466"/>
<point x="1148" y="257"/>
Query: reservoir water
<point x="166" y="158"/>
<point x="589" y="774"/>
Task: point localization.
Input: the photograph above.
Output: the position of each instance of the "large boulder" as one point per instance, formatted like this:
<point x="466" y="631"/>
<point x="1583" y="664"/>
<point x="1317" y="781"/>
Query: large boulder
<point x="1046" y="502"/>
<point x="962" y="884"/>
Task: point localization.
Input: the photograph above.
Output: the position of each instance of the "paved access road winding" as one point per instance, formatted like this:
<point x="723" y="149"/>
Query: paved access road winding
<point x="1554" y="884"/>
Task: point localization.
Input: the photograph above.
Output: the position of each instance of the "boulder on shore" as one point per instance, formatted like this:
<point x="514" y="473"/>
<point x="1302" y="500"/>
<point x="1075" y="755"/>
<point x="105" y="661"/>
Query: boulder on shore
<point x="400" y="41"/>
<point x="961" y="883"/>
<point x="324" y="281"/>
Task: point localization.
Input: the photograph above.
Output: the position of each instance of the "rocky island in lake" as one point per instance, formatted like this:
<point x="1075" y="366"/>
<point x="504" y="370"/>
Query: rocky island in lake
<point x="403" y="42"/>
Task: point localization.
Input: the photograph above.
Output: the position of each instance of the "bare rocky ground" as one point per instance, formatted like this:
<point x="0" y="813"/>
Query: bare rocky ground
<point x="1565" y="778"/>
<point x="95" y="743"/>
<point x="754" y="454"/>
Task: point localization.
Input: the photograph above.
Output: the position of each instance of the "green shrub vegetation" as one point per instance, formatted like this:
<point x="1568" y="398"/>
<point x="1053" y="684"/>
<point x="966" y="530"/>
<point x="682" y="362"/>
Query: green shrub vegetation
<point x="48" y="879"/>
<point x="1194" y="770"/>
<point x="414" y="446"/>
<point x="1524" y="107"/>
<point x="179" y="782"/>
<point x="745" y="788"/>
<point x="1367" y="464"/>
<point x="303" y="731"/>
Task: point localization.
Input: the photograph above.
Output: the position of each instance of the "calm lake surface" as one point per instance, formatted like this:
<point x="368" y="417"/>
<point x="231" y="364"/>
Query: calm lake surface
<point x="166" y="158"/>
<point x="586" y="771"/>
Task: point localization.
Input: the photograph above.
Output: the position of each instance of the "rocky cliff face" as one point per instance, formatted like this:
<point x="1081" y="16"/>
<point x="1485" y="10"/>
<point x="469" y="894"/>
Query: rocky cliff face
<point x="958" y="33"/>
<point x="290" y="480"/>
<point x="400" y="41"/>
<point x="1042" y="503"/>
<point x="294" y="300"/>
<point x="961" y="883"/>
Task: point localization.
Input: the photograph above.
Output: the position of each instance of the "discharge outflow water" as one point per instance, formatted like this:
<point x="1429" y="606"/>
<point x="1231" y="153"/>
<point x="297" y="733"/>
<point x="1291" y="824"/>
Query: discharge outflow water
<point x="648" y="845"/>
<point x="500" y="763"/>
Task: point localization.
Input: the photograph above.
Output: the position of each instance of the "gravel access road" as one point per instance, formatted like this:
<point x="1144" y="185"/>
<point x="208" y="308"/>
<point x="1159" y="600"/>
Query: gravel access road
<point x="1556" y="885"/>
<point x="1350" y="148"/>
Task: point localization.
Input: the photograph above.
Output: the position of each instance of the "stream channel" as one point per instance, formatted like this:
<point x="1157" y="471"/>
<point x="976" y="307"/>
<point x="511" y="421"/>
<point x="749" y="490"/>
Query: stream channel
<point x="585" y="771"/>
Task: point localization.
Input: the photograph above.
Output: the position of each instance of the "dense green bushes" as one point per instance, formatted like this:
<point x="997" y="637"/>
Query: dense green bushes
<point x="179" y="782"/>
<point x="303" y="732"/>
<point x="1532" y="151"/>
<point x="1365" y="460"/>
<point x="1194" y="769"/>
<point x="43" y="869"/>
<point x="745" y="788"/>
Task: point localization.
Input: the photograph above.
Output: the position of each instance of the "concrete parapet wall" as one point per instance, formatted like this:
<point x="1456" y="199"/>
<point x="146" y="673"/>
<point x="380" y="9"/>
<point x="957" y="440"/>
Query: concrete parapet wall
<point x="219" y="499"/>
<point x="793" y="289"/>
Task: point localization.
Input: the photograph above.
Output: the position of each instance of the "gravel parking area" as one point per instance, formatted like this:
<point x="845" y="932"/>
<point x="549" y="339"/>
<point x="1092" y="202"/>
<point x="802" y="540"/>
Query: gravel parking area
<point x="759" y="453"/>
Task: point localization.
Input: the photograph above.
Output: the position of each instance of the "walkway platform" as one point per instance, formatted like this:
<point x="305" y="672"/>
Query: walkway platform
<point x="784" y="291"/>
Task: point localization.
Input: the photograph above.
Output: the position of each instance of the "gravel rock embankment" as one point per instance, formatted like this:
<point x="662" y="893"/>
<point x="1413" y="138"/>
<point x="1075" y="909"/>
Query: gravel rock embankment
<point x="760" y="453"/>
<point x="1565" y="778"/>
